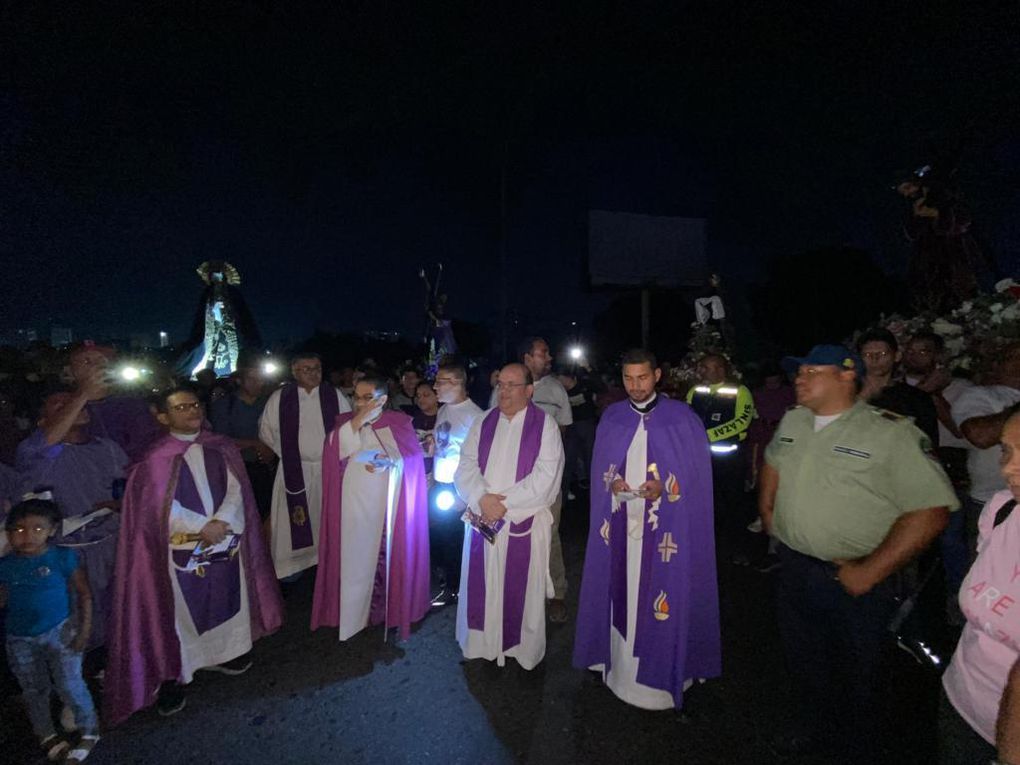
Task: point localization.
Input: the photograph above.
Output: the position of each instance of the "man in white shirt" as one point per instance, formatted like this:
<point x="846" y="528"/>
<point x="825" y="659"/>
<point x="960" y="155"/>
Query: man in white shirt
<point x="923" y="368"/>
<point x="453" y="422"/>
<point x="551" y="397"/>
<point x="294" y="425"/>
<point x="510" y="469"/>
<point x="980" y="412"/>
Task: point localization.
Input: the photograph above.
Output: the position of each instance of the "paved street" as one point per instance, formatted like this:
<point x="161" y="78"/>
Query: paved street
<point x="310" y="699"/>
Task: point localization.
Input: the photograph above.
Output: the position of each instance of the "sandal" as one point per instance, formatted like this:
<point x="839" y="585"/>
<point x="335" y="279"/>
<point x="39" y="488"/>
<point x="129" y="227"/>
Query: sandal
<point x="83" y="749"/>
<point x="54" y="747"/>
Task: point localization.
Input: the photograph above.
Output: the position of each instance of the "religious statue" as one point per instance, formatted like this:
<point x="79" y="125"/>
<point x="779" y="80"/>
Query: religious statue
<point x="439" y="340"/>
<point x="710" y="308"/>
<point x="223" y="323"/>
<point x="944" y="265"/>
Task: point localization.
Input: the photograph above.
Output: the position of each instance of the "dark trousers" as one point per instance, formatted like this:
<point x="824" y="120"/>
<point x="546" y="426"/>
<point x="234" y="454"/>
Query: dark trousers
<point x="833" y="644"/>
<point x="959" y="744"/>
<point x="262" y="477"/>
<point x="734" y="508"/>
<point x="446" y="544"/>
<point x="578" y="443"/>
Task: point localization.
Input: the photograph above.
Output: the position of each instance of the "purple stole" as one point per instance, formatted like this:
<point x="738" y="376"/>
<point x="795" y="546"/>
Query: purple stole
<point x="518" y="556"/>
<point x="290" y="458"/>
<point x="214" y="596"/>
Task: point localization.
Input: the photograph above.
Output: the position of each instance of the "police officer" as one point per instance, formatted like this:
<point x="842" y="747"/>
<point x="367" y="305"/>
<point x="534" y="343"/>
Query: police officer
<point x="727" y="409"/>
<point x="852" y="493"/>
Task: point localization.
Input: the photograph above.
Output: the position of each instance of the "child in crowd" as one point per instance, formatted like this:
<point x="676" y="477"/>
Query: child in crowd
<point x="43" y="641"/>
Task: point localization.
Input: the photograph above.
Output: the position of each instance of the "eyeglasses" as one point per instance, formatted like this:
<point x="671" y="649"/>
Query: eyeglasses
<point x="509" y="385"/>
<point x="192" y="406"/>
<point x="364" y="399"/>
<point x="875" y="355"/>
<point x="308" y="370"/>
<point x="445" y="381"/>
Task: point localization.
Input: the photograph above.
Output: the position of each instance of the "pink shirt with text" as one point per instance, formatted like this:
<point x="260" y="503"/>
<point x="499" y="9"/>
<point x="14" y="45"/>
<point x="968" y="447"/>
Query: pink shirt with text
<point x="990" y="643"/>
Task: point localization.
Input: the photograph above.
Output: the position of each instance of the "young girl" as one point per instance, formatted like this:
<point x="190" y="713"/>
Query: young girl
<point x="42" y="640"/>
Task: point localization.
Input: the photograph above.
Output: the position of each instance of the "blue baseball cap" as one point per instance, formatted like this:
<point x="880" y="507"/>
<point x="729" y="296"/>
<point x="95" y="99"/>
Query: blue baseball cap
<point x="826" y="355"/>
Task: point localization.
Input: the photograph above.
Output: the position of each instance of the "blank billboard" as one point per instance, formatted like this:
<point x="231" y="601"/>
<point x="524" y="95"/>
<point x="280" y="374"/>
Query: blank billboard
<point x="631" y="249"/>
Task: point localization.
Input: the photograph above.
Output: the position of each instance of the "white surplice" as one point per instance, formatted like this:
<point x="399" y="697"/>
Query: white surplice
<point x="622" y="676"/>
<point x="369" y="502"/>
<point x="530" y="497"/>
<point x="311" y="435"/>
<point x="232" y="638"/>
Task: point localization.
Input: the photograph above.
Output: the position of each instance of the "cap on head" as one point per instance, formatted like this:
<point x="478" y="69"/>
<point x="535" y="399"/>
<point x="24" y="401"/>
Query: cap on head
<point x="826" y="355"/>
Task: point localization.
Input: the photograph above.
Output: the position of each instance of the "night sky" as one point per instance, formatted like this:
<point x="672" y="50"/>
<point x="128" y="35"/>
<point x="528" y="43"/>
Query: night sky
<point x="329" y="150"/>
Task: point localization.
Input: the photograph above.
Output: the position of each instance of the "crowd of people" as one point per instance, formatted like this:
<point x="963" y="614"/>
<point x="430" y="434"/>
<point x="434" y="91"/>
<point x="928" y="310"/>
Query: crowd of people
<point x="150" y="534"/>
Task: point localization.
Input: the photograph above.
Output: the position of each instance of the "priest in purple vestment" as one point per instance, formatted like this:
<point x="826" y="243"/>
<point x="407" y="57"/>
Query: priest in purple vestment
<point x="193" y="585"/>
<point x="511" y="465"/>
<point x="294" y="424"/>
<point x="85" y="476"/>
<point x="648" y="617"/>
<point x="374" y="543"/>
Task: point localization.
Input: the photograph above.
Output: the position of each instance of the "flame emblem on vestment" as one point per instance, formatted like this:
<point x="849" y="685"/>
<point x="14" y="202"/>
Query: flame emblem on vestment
<point x="660" y="606"/>
<point x="672" y="488"/>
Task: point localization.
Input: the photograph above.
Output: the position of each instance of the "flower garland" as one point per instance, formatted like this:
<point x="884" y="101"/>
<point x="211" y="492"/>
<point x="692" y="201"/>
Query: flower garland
<point x="972" y="331"/>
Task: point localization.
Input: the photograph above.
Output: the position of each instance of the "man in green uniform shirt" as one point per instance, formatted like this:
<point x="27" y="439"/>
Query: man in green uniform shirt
<point x="852" y="493"/>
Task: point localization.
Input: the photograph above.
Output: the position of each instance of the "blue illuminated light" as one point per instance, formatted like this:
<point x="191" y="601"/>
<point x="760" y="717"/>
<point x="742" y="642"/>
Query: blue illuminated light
<point x="445" y="500"/>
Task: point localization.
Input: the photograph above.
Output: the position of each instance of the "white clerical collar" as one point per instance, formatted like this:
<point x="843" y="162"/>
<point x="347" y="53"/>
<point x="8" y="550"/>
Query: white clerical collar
<point x="514" y="416"/>
<point x="645" y="406"/>
<point x="190" y="437"/>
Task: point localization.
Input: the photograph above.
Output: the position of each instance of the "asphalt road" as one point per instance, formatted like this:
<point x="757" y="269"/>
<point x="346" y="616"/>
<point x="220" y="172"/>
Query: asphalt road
<point x="311" y="699"/>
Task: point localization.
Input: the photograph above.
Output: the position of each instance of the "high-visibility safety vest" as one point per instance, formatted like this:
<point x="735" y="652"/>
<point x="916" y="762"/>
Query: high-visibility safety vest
<point x="727" y="410"/>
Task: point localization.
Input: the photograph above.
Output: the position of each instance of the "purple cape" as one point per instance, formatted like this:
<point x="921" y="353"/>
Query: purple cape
<point x="408" y="599"/>
<point x="684" y="643"/>
<point x="144" y="650"/>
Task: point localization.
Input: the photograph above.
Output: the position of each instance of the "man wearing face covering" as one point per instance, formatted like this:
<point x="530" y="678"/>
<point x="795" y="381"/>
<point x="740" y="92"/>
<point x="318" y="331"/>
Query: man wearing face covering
<point x="374" y="537"/>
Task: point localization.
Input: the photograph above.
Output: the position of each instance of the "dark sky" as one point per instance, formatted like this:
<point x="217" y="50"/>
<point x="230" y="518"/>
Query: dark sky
<point x="328" y="150"/>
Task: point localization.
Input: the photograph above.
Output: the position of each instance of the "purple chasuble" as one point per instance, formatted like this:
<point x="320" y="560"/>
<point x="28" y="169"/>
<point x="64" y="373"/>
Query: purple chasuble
<point x="290" y="458"/>
<point x="214" y="596"/>
<point x="518" y="556"/>
<point x="677" y="628"/>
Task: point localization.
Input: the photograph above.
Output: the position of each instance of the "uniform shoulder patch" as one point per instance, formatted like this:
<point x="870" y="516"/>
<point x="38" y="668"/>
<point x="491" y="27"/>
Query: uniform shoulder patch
<point x="890" y="415"/>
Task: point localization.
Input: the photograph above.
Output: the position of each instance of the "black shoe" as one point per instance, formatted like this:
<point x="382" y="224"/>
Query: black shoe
<point x="171" y="699"/>
<point x="768" y="564"/>
<point x="237" y="666"/>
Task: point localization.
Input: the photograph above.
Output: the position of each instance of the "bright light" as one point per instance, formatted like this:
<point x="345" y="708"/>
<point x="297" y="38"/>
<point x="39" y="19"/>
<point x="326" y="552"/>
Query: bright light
<point x="130" y="373"/>
<point x="445" y="500"/>
<point x="723" y="448"/>
<point x="270" y="368"/>
<point x="576" y="353"/>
